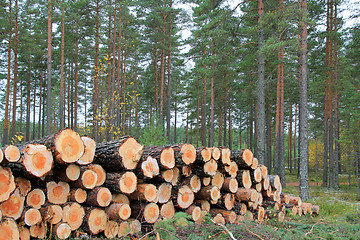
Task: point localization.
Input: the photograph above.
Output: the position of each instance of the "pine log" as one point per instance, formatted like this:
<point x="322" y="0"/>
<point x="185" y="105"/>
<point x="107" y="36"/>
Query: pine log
<point x="307" y="207"/>
<point x="120" y="154"/>
<point x="61" y="230"/>
<point x="228" y="201"/>
<point x="124" y="229"/>
<point x="14" y="206"/>
<point x="264" y="170"/>
<point x="78" y="195"/>
<point x="148" y="168"/>
<point x="225" y="156"/>
<point x="275" y="182"/>
<point x="208" y="169"/>
<point x="1" y="155"/>
<point x="218" y="179"/>
<point x="295" y="200"/>
<point x="249" y="216"/>
<point x="285" y="198"/>
<point x="135" y="226"/>
<point x="246" y="195"/>
<point x="118" y="211"/>
<point x="100" y="173"/>
<point x="164" y="155"/>
<point x="66" y="145"/>
<point x="193" y="182"/>
<point x="210" y="193"/>
<point x="31" y="216"/>
<point x="99" y="197"/>
<point x="230" y="185"/>
<point x="203" y="154"/>
<point x="164" y="192"/>
<point x="184" y="197"/>
<point x="37" y="159"/>
<point x="232" y="169"/>
<point x="259" y="198"/>
<point x="266" y="193"/>
<point x="265" y="182"/>
<point x="256" y="176"/>
<point x="52" y="213"/>
<point x="229" y="216"/>
<point x="260" y="214"/>
<point x="215" y="153"/>
<point x="9" y="229"/>
<point x="176" y="176"/>
<point x="255" y="163"/>
<point x="144" y="192"/>
<point x="148" y="212"/>
<point x="24" y="185"/>
<point x="89" y="151"/>
<point x="167" y="210"/>
<point x="24" y="232"/>
<point x="258" y="187"/>
<point x="184" y="153"/>
<point x="244" y="178"/>
<point x="122" y="182"/>
<point x="38" y="230"/>
<point x="243" y="157"/>
<point x="69" y="174"/>
<point x="167" y="175"/>
<point x="206" y="181"/>
<point x="111" y="229"/>
<point x="36" y="198"/>
<point x="241" y="208"/>
<point x="73" y="214"/>
<point x="87" y="180"/>
<point x="57" y="193"/>
<point x="11" y="153"/>
<point x="95" y="220"/>
<point x="218" y="218"/>
<point x="186" y="170"/>
<point x="120" y="198"/>
<point x="7" y="183"/>
<point x="194" y="211"/>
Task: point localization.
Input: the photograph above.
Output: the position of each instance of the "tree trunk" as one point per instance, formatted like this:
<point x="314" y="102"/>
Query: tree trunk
<point x="168" y="114"/>
<point x="156" y="76"/>
<point x="203" y="110"/>
<point x="303" y="131"/>
<point x="109" y="90"/>
<point x="268" y="139"/>
<point x="5" y="138"/>
<point x="212" y="113"/>
<point x="49" y="75"/>
<point x="13" y="124"/>
<point x="28" y="93"/>
<point x="162" y="77"/>
<point x="225" y="116"/>
<point x="96" y="77"/>
<point x="261" y="88"/>
<point x="61" y="100"/>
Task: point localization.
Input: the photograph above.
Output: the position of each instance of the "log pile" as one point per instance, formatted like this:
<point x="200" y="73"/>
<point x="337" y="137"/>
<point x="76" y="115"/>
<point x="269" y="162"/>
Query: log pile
<point x="59" y="184"/>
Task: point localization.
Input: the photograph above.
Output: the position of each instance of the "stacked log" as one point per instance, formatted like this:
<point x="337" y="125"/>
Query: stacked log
<point x="55" y="185"/>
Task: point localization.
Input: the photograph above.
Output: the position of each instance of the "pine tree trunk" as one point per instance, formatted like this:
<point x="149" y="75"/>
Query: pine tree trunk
<point x="261" y="88"/>
<point x="303" y="131"/>
<point x="76" y="77"/>
<point x="13" y="124"/>
<point x="107" y="105"/>
<point x="5" y="138"/>
<point x="168" y="115"/>
<point x="212" y="113"/>
<point x="156" y="75"/>
<point x="96" y="77"/>
<point x="162" y="77"/>
<point x="49" y="75"/>
<point x="61" y="100"/>
<point x="28" y="94"/>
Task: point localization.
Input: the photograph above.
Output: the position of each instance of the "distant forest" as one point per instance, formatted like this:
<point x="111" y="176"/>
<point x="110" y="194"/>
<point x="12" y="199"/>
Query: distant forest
<point x="280" y="77"/>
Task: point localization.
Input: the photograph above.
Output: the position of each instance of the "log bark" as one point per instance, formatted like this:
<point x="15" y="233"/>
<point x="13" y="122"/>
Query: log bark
<point x="145" y="192"/>
<point x="23" y="185"/>
<point x="210" y="193"/>
<point x="246" y="195"/>
<point x="125" y="182"/>
<point x="164" y="155"/>
<point x="119" y="211"/>
<point x="52" y="213"/>
<point x="120" y="154"/>
<point x="244" y="178"/>
<point x="230" y="185"/>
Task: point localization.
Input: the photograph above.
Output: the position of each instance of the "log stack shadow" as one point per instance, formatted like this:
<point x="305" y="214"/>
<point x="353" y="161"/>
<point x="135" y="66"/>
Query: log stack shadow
<point x="59" y="184"/>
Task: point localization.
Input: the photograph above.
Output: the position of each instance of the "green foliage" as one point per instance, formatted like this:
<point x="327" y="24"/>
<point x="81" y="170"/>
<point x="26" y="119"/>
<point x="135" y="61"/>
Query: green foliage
<point x="153" y="135"/>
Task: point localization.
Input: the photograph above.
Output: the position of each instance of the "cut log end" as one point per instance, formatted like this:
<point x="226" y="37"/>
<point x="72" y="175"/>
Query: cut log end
<point x="205" y="154"/>
<point x="218" y="180"/>
<point x="176" y="176"/>
<point x="35" y="198"/>
<point x="188" y="153"/>
<point x="69" y="146"/>
<point x="57" y="193"/>
<point x="88" y="179"/>
<point x="73" y="214"/>
<point x="147" y="192"/>
<point x="130" y="151"/>
<point x="78" y="195"/>
<point x="111" y="229"/>
<point x="135" y="226"/>
<point x="96" y="220"/>
<point x="120" y="198"/>
<point x="150" y="167"/>
<point x="72" y="172"/>
<point x="195" y="212"/>
<point x="119" y="211"/>
<point x="257" y="175"/>
<point x="9" y="229"/>
<point x="124" y="229"/>
<point x="24" y="233"/>
<point x="14" y="206"/>
<point x="185" y="197"/>
<point x="151" y="212"/>
<point x="225" y="156"/>
<point x="255" y="163"/>
<point x="167" y="175"/>
<point x="1" y="155"/>
<point x="167" y="210"/>
<point x="38" y="231"/>
<point x="167" y="158"/>
<point x="186" y="170"/>
<point x="219" y="219"/>
<point x="62" y="230"/>
<point x="164" y="192"/>
<point x="103" y="197"/>
<point x="266" y="183"/>
<point x="7" y="183"/>
<point x="89" y="151"/>
<point x="195" y="183"/>
<point x="232" y="169"/>
<point x="128" y="182"/>
<point x="229" y="201"/>
<point x="32" y="216"/>
<point x="215" y="153"/>
<point x="52" y="214"/>
<point x="210" y="167"/>
<point x="248" y="156"/>
<point x="246" y="179"/>
<point x="37" y="159"/>
<point x="206" y="181"/>
<point x="12" y="153"/>
<point x="230" y="185"/>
